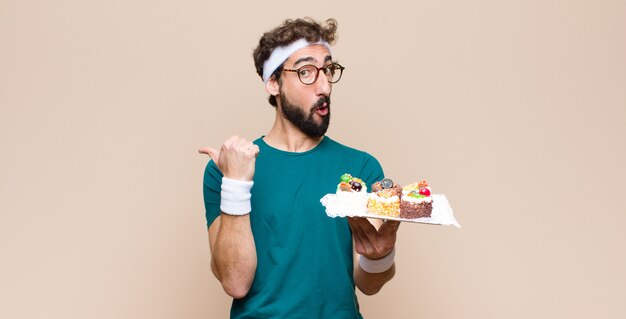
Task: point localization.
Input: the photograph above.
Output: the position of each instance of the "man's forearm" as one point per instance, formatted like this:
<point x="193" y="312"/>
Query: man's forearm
<point x="371" y="283"/>
<point x="234" y="254"/>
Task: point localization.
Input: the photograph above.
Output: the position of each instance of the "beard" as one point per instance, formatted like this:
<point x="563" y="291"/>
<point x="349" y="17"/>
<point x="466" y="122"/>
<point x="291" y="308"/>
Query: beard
<point x="303" y="121"/>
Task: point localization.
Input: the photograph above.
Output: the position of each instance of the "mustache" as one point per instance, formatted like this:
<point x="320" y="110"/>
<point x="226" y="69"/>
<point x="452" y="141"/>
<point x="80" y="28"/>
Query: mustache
<point x="320" y="102"/>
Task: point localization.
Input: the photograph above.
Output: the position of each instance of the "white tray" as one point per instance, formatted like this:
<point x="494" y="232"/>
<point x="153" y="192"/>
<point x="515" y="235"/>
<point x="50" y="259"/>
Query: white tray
<point x="442" y="213"/>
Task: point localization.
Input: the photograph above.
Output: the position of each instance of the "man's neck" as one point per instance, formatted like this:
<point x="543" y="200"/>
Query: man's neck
<point x="286" y="137"/>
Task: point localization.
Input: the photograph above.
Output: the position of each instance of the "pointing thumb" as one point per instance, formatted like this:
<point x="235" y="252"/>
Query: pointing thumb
<point x="214" y="154"/>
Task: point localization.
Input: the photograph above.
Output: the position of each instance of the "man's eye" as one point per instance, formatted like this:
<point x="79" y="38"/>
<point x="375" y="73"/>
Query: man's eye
<point x="329" y="70"/>
<point x="305" y="72"/>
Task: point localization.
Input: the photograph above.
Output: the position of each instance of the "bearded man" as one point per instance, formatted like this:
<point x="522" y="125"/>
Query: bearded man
<point x="273" y="248"/>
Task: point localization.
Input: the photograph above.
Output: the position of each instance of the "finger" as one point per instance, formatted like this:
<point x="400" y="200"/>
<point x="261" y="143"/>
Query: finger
<point x="366" y="228"/>
<point x="361" y="221"/>
<point x="365" y="241"/>
<point x="230" y="142"/>
<point x="255" y="150"/>
<point x="244" y="146"/>
<point x="350" y="225"/>
<point x="232" y="139"/>
<point x="355" y="236"/>
<point x="251" y="149"/>
<point x="243" y="143"/>
<point x="358" y="244"/>
<point x="389" y="227"/>
<point x="213" y="153"/>
<point x="352" y="221"/>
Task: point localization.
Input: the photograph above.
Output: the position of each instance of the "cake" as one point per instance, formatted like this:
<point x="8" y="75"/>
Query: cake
<point x="416" y="201"/>
<point x="384" y="199"/>
<point x="351" y="194"/>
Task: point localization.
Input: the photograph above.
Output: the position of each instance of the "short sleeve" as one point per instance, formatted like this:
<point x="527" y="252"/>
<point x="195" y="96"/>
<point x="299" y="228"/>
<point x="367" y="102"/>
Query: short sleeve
<point x="212" y="187"/>
<point x="372" y="172"/>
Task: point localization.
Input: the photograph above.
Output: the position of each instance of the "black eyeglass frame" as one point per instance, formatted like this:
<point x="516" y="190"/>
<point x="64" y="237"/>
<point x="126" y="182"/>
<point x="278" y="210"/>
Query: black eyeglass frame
<point x="335" y="67"/>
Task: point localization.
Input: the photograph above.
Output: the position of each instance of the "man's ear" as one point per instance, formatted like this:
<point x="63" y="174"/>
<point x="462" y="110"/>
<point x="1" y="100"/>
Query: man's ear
<point x="272" y="87"/>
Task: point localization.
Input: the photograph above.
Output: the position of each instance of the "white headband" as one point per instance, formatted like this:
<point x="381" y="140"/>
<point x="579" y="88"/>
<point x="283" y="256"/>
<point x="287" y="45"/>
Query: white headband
<point x="281" y="54"/>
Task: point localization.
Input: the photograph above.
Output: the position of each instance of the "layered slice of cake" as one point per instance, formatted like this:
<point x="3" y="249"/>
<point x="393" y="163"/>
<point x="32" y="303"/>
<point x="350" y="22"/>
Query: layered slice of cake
<point x="384" y="199"/>
<point x="416" y="201"/>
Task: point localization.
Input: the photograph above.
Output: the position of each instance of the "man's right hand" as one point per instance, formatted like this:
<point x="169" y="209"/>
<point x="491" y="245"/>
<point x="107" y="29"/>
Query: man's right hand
<point x="233" y="252"/>
<point x="236" y="158"/>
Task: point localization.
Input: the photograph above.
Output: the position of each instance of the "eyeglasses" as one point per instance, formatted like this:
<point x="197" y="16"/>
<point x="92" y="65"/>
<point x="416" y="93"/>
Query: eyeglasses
<point x="308" y="73"/>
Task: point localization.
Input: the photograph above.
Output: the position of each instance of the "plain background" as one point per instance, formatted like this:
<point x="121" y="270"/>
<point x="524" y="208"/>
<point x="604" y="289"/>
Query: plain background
<point x="516" y="110"/>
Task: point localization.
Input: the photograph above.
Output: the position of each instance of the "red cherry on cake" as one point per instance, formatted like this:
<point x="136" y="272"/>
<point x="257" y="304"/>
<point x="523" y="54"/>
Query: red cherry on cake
<point x="425" y="191"/>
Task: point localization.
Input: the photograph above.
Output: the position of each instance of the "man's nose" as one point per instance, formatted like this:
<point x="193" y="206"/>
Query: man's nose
<point x="323" y="87"/>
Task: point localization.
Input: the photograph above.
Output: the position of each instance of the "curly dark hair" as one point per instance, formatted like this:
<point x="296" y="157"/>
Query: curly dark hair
<point x="285" y="34"/>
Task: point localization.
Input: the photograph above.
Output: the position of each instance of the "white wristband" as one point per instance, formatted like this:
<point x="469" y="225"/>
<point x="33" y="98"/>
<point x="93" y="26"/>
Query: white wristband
<point x="376" y="266"/>
<point x="235" y="196"/>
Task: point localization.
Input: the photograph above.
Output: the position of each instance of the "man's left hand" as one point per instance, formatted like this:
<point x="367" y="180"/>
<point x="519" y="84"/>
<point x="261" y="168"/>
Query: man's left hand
<point x="372" y="243"/>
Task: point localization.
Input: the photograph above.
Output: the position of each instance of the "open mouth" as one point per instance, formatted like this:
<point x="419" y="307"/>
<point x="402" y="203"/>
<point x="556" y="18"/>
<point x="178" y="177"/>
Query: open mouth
<point x="322" y="107"/>
<point x="322" y="110"/>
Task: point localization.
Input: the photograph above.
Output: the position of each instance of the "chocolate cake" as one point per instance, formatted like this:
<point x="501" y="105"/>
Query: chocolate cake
<point x="416" y="201"/>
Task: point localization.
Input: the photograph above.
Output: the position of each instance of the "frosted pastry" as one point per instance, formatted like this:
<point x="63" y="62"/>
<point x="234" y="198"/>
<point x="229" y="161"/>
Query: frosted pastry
<point x="384" y="199"/>
<point x="416" y="201"/>
<point x="351" y="194"/>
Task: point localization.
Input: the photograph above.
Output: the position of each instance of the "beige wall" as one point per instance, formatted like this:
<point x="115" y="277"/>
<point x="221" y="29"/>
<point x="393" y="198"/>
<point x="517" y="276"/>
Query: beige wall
<point x="514" y="109"/>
